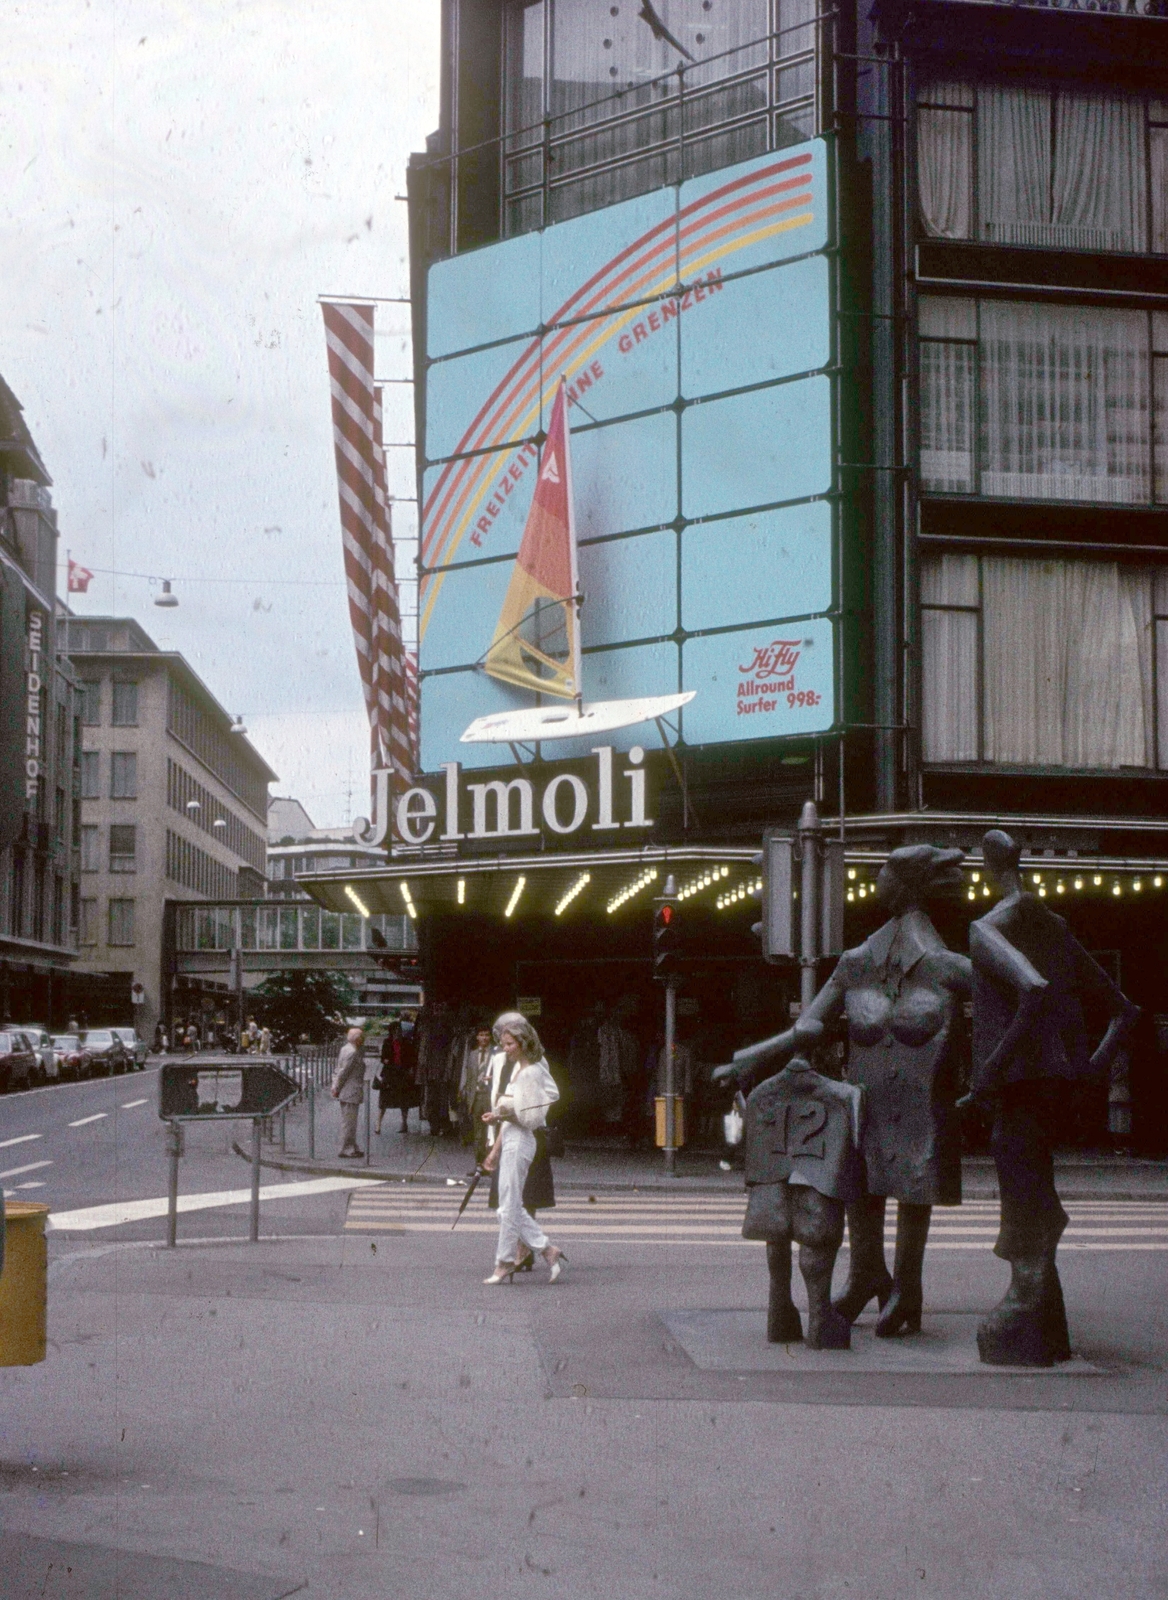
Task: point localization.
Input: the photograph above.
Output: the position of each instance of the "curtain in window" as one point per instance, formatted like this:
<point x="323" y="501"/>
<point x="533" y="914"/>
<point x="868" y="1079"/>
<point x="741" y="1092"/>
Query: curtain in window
<point x="1160" y="607"/>
<point x="949" y="647"/>
<point x="947" y="374"/>
<point x="1064" y="403"/>
<point x="1100" y="176"/>
<point x="945" y="160"/>
<point x="1158" y="144"/>
<point x="1068" y="664"/>
<point x="1014" y="165"/>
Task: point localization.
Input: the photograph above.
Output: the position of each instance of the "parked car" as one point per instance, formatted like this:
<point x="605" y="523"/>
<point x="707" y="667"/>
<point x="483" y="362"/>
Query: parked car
<point x="42" y="1042"/>
<point x="73" y="1060"/>
<point x="18" y="1060"/>
<point x="136" y="1049"/>
<point x="107" y="1053"/>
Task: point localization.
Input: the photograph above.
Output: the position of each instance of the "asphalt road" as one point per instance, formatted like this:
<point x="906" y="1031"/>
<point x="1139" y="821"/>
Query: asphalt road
<point x="95" y="1152"/>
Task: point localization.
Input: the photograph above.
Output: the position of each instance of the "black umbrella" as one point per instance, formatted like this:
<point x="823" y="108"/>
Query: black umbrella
<point x="479" y="1172"/>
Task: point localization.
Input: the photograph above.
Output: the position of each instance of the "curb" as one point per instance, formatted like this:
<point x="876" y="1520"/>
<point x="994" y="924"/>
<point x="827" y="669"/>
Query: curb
<point x="972" y="1191"/>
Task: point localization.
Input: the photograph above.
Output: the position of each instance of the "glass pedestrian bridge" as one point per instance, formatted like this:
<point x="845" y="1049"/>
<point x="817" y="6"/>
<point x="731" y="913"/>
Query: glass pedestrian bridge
<point x="260" y="927"/>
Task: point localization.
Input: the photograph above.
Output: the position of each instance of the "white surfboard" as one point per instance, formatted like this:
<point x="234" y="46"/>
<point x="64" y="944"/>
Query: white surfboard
<point x="541" y="723"/>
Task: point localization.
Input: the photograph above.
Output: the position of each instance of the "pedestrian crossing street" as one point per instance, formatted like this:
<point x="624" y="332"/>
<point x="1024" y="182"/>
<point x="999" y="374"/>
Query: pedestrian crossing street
<point x="714" y="1219"/>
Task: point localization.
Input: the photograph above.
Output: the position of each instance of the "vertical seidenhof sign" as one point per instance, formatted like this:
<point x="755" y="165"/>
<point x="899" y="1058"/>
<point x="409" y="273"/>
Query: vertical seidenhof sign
<point x="34" y="702"/>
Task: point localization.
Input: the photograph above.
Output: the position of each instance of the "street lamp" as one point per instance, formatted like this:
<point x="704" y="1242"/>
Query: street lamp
<point x="166" y="598"/>
<point x="237" y="726"/>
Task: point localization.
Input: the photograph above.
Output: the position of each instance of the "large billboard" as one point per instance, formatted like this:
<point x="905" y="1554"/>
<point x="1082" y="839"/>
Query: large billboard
<point x="693" y="326"/>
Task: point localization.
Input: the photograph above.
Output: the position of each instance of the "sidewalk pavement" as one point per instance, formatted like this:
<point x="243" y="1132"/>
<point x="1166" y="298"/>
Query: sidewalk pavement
<point x="348" y="1416"/>
<point x="609" y="1164"/>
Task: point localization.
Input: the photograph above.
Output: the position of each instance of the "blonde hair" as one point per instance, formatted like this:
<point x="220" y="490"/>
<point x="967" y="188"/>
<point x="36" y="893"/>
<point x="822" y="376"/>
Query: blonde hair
<point x="514" y="1022"/>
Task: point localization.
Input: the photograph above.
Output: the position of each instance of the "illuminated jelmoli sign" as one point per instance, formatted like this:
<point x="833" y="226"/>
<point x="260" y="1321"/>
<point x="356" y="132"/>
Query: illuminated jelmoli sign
<point x="33" y="735"/>
<point x="609" y="797"/>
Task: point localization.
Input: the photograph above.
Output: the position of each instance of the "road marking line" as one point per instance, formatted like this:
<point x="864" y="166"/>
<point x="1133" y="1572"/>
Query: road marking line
<point x="130" y="1104"/>
<point x="21" y="1186"/>
<point x="121" y="1211"/>
<point x="25" y="1138"/>
<point x="14" y="1172"/>
<point x="96" y="1117"/>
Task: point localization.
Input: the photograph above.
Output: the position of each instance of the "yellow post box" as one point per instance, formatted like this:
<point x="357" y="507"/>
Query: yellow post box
<point x="23" y="1285"/>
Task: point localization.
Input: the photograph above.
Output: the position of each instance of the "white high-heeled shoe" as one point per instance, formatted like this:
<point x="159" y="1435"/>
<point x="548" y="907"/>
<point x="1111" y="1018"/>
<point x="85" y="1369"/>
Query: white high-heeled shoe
<point x="554" y="1256"/>
<point x="504" y="1273"/>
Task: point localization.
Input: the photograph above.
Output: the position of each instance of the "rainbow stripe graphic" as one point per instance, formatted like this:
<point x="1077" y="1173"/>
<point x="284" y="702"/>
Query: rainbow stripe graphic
<point x="774" y="198"/>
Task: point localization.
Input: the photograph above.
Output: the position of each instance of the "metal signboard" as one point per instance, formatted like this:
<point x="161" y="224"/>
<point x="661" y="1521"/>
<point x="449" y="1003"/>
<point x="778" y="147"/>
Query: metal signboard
<point x="692" y="328"/>
<point x="222" y="1087"/>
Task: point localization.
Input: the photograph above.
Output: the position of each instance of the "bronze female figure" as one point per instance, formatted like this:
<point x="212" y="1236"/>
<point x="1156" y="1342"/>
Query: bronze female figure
<point x="900" y="995"/>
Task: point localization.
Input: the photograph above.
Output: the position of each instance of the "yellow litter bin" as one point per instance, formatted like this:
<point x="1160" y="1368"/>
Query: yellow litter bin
<point x="23" y="1285"/>
<point x="678" y="1122"/>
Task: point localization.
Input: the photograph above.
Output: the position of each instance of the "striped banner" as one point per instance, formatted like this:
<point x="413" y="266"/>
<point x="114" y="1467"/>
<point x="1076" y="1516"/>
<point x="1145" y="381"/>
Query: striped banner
<point x="366" y="535"/>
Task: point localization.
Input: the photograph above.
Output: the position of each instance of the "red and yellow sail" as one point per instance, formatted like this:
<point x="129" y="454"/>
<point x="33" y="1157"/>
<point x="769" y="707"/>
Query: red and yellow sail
<point x="537" y="638"/>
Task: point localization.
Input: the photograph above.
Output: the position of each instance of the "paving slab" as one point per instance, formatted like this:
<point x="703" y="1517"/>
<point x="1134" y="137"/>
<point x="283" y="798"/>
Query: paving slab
<point x="60" y="1569"/>
<point x="735" y="1341"/>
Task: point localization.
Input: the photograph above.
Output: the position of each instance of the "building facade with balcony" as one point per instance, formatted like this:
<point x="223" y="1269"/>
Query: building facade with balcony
<point x="862" y="315"/>
<point x="173" y="807"/>
<point x="39" y="743"/>
<point x="296" y="845"/>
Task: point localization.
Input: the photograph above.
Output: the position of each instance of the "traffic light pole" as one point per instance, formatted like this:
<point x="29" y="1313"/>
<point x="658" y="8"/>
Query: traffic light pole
<point x="670" y="1077"/>
<point x="809" y="836"/>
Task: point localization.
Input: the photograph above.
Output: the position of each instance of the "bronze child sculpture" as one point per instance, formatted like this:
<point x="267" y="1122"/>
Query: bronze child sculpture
<point x="802" y="1164"/>
<point x="1029" y="1039"/>
<point x="900" y="994"/>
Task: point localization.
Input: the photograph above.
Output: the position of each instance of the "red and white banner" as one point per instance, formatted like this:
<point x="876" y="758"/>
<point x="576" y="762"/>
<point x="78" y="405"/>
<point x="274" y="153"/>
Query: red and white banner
<point x="374" y="609"/>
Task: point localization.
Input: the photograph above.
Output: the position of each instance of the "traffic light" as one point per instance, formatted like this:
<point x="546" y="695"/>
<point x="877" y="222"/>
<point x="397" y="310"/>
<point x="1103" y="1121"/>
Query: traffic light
<point x="776" y="929"/>
<point x="666" y="935"/>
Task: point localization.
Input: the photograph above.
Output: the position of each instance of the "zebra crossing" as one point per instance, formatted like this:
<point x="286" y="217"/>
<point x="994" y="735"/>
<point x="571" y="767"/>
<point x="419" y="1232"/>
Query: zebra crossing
<point x="716" y="1219"/>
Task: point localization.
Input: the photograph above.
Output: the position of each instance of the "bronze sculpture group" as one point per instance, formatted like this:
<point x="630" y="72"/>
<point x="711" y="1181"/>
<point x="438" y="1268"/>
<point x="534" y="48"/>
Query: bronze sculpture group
<point x="817" y="1149"/>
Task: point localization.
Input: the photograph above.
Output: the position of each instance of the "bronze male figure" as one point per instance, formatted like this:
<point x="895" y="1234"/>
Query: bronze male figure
<point x="1029" y="1041"/>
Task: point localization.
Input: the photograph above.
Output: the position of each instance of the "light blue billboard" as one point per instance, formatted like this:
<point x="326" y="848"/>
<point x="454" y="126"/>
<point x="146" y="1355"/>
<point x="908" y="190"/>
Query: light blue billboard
<point x="693" y="327"/>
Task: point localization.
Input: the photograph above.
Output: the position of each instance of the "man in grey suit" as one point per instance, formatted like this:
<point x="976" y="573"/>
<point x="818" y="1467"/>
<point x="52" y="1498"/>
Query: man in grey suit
<point x="348" y="1086"/>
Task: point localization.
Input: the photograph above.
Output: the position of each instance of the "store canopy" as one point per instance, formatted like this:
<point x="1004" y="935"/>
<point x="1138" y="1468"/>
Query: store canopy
<point x="535" y="885"/>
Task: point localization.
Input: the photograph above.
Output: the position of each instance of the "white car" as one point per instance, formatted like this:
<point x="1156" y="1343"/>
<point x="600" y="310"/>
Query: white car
<point x="136" y="1051"/>
<point x="42" y="1043"/>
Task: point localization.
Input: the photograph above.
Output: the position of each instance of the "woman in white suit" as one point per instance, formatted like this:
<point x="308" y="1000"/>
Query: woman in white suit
<point x="522" y="1090"/>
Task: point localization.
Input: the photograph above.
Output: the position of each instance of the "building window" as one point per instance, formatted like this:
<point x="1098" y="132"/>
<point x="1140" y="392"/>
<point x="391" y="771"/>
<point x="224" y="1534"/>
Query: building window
<point x="123" y="775"/>
<point x="87" y="922"/>
<point x="91" y="774"/>
<point x="1039" y="402"/>
<point x="121" y="922"/>
<point x="123" y="847"/>
<point x="90" y="704"/>
<point x="125" y="705"/>
<point x="90" y="848"/>
<point x="1056" y="169"/>
<point x="609" y="90"/>
<point x="1007" y="680"/>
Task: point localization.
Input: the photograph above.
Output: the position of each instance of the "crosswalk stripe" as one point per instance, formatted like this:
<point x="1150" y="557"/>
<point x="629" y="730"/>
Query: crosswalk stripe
<point x="716" y="1220"/>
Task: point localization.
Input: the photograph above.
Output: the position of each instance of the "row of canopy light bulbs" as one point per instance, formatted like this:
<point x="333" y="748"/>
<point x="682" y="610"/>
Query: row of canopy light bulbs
<point x="858" y="888"/>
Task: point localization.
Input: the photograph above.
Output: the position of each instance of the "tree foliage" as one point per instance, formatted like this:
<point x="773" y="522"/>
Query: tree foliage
<point x="296" y="1003"/>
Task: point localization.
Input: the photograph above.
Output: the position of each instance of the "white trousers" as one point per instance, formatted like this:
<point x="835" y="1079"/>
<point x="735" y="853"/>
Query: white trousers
<point x="515" y="1157"/>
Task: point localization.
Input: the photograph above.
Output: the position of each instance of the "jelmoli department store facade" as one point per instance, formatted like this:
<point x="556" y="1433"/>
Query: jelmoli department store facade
<point x="864" y="322"/>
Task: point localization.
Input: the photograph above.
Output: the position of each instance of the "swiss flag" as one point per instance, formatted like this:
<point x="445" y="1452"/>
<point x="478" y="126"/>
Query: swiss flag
<point x="79" y="577"/>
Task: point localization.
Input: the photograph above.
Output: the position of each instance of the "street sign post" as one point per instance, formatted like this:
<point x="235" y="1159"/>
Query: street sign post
<point x="666" y="959"/>
<point x="219" y="1089"/>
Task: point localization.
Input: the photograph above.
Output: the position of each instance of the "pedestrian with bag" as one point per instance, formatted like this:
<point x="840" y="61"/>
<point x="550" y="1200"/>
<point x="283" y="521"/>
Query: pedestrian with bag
<point x="524" y="1089"/>
<point x="348" y="1086"/>
<point x="396" y="1090"/>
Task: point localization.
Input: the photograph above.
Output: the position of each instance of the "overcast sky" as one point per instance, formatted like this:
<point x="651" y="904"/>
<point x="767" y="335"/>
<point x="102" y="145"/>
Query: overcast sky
<point x="181" y="181"/>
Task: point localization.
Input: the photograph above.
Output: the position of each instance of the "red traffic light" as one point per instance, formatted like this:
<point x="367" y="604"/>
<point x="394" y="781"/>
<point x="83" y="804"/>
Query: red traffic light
<point x="667" y="914"/>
